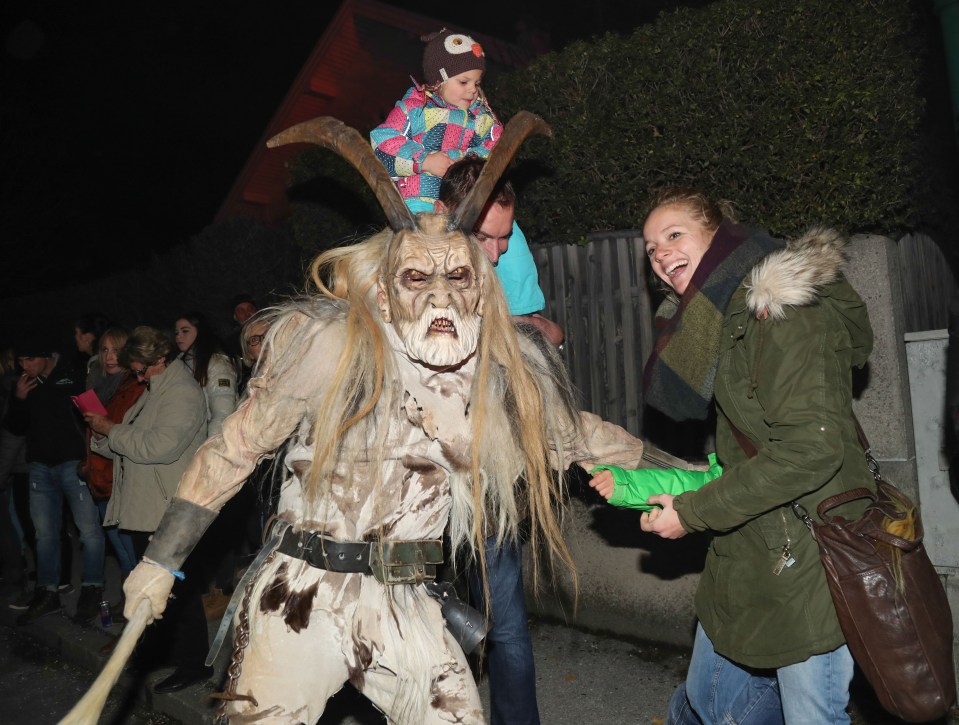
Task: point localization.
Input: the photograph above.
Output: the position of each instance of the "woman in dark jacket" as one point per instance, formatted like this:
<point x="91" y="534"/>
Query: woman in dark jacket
<point x="771" y="331"/>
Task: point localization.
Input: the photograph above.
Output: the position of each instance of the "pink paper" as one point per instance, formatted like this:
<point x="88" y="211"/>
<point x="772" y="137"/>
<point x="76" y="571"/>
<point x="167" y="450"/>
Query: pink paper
<point x="88" y="402"/>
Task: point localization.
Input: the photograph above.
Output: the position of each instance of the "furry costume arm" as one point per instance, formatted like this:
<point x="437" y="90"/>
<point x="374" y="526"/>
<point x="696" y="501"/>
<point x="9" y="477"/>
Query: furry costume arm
<point x="578" y="436"/>
<point x="303" y="351"/>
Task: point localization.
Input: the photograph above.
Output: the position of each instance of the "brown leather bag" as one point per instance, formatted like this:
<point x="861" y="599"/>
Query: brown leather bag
<point x="889" y="599"/>
<point x="891" y="604"/>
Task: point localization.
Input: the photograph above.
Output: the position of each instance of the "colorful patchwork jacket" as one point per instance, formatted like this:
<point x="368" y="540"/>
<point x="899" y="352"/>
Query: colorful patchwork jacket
<point x="421" y="123"/>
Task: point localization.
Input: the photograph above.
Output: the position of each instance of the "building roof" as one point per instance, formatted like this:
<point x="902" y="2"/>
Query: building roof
<point x="360" y="67"/>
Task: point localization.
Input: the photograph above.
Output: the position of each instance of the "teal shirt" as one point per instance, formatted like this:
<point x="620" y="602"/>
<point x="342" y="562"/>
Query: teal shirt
<point x="519" y="277"/>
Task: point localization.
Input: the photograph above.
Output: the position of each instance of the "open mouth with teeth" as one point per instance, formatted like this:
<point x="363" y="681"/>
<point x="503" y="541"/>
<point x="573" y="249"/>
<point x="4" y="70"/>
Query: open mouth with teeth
<point x="443" y="325"/>
<point x="673" y="268"/>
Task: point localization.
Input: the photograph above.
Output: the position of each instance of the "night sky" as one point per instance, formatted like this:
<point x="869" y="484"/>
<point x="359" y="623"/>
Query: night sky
<point x="123" y="125"/>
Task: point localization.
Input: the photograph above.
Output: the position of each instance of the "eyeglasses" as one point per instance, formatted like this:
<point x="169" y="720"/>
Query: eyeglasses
<point x="254" y="340"/>
<point x="141" y="372"/>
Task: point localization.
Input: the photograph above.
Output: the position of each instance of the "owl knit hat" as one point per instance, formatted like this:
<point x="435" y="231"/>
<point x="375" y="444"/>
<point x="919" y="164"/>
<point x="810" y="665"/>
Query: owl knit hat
<point x="448" y="54"/>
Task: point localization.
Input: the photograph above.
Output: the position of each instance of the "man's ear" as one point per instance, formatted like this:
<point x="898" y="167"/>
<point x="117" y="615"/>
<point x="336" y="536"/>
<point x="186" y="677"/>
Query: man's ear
<point x="439" y="207"/>
<point x="382" y="301"/>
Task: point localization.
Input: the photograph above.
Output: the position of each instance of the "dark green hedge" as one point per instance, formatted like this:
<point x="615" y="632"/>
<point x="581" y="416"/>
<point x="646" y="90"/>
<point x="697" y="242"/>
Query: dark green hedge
<point x="797" y="111"/>
<point x="331" y="203"/>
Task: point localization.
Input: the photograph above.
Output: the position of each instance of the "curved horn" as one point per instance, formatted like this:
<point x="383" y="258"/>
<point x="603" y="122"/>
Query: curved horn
<point x="520" y="127"/>
<point x="333" y="134"/>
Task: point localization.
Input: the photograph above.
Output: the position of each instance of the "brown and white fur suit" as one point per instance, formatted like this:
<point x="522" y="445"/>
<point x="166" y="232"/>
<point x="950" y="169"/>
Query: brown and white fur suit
<point x="405" y="469"/>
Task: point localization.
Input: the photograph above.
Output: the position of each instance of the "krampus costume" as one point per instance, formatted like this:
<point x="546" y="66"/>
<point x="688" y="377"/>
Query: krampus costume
<point x="411" y="402"/>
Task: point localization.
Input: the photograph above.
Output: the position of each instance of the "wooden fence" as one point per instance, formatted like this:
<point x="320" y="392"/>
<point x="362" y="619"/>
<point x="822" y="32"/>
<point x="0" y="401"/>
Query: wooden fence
<point x="598" y="294"/>
<point x="927" y="283"/>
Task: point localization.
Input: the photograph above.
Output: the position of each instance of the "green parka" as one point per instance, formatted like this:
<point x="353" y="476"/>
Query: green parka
<point x="792" y="333"/>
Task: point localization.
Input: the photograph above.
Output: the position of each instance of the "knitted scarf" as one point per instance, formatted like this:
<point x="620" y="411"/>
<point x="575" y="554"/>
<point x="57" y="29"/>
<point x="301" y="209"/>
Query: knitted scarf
<point x="680" y="373"/>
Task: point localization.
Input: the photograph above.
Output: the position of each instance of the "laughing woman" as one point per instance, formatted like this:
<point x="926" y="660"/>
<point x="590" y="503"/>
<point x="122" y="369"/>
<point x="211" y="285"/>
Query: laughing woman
<point x="770" y="331"/>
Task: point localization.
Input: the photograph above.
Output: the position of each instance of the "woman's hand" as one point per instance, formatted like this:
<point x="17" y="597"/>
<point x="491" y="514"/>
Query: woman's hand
<point x="603" y="483"/>
<point x="98" y="423"/>
<point x="663" y="522"/>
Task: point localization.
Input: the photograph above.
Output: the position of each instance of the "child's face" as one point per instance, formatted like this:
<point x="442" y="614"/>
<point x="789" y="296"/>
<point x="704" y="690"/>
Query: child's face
<point x="462" y="90"/>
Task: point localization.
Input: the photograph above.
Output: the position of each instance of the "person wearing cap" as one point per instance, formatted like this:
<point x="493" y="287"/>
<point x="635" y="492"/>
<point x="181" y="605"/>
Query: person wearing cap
<point x="42" y="411"/>
<point x="443" y="120"/>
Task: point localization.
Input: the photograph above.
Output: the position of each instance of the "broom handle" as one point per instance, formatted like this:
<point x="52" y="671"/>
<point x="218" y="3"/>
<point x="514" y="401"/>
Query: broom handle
<point x="89" y="707"/>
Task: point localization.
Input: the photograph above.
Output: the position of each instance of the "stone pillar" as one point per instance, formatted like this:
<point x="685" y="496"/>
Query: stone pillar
<point x="882" y="404"/>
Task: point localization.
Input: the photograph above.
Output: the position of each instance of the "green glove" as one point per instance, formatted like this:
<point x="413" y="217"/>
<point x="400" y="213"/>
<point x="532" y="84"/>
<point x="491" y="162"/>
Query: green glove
<point x="632" y="488"/>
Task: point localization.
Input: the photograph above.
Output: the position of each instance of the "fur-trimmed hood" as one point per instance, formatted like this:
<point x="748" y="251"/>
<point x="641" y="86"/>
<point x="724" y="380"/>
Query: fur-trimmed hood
<point x="793" y="277"/>
<point x="808" y="271"/>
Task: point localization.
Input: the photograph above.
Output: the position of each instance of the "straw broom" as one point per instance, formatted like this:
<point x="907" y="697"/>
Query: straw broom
<point x="89" y="707"/>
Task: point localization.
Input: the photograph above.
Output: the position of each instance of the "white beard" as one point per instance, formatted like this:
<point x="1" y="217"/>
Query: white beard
<point x="440" y="349"/>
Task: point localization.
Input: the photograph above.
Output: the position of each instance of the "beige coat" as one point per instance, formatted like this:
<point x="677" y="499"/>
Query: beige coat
<point x="152" y="448"/>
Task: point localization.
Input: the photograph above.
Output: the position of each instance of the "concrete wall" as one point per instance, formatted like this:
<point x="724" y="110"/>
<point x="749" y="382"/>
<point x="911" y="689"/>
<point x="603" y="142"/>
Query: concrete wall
<point x="639" y="586"/>
<point x="883" y="406"/>
<point x="926" y="355"/>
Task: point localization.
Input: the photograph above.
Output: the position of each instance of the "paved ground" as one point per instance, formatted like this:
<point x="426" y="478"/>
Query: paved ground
<point x="39" y="686"/>
<point x="583" y="678"/>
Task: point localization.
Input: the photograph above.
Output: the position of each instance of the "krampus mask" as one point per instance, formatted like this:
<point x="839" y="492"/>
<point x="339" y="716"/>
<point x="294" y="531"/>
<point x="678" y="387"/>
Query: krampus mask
<point x="430" y="290"/>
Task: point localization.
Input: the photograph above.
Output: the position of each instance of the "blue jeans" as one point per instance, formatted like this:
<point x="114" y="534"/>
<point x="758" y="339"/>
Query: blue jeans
<point x="512" y="674"/>
<point x="121" y="541"/>
<point x="50" y="486"/>
<point x="716" y="690"/>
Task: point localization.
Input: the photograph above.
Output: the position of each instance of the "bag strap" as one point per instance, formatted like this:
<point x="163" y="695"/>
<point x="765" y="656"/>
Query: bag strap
<point x="833" y="501"/>
<point x="750" y="450"/>
<point x="747" y="445"/>
<point x="841" y="498"/>
<point x="861" y="434"/>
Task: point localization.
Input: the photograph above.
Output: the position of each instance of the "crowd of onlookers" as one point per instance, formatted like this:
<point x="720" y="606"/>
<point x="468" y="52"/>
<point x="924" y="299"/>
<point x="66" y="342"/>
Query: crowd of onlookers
<point x="94" y="436"/>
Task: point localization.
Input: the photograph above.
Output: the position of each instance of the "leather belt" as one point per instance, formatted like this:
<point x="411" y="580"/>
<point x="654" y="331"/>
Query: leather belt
<point x="391" y="562"/>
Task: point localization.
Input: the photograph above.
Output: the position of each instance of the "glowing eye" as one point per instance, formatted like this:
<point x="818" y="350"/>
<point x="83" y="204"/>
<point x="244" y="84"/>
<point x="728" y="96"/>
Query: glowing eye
<point x="461" y="277"/>
<point x="414" y="279"/>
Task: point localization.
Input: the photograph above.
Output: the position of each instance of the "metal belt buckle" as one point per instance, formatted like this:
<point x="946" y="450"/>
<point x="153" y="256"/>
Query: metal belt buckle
<point x="405" y="562"/>
<point x="313" y="551"/>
